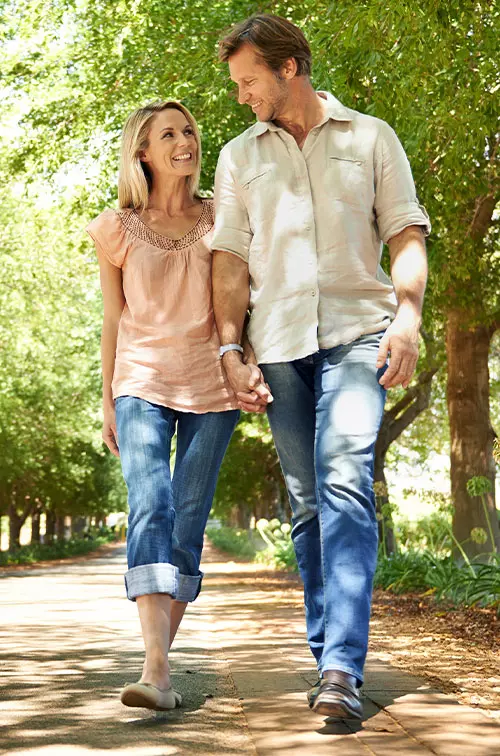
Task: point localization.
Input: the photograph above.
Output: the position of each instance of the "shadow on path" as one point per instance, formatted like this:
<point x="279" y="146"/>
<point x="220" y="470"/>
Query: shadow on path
<point x="70" y="641"/>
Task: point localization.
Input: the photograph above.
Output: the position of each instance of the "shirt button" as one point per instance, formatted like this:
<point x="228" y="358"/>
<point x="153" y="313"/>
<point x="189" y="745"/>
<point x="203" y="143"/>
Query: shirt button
<point x="313" y="293"/>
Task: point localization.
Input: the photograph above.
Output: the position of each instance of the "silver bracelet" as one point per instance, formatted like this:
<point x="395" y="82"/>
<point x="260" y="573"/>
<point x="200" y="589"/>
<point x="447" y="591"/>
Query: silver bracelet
<point x="230" y="348"/>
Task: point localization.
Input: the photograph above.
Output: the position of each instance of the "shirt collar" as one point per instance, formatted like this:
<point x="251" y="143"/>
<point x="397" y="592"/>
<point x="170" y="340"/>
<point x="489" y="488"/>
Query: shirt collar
<point x="334" y="110"/>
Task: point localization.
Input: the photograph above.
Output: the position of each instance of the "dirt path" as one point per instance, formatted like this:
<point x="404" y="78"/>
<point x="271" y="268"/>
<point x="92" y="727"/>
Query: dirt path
<point x="457" y="650"/>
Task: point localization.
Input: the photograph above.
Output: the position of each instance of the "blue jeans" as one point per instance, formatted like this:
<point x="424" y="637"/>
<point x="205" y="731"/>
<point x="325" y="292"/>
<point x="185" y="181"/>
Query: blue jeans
<point x="325" y="418"/>
<point x="168" y="515"/>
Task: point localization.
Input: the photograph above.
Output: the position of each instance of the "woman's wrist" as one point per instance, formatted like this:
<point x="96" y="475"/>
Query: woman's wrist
<point x="108" y="403"/>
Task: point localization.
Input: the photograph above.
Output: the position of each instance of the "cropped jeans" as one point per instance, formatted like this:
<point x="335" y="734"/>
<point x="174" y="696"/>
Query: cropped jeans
<point x="168" y="514"/>
<point x="325" y="419"/>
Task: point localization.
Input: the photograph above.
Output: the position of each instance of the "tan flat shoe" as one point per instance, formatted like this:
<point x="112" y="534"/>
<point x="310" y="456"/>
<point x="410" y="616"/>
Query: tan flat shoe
<point x="147" y="696"/>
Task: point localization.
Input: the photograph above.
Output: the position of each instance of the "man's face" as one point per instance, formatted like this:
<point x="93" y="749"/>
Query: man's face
<point x="258" y="86"/>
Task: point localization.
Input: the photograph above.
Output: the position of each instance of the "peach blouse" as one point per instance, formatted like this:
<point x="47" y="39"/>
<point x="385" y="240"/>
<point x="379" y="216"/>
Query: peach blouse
<point x="168" y="346"/>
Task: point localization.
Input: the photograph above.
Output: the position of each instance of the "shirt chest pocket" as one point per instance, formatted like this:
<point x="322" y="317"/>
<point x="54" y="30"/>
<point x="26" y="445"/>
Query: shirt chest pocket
<point x="257" y="190"/>
<point x="349" y="180"/>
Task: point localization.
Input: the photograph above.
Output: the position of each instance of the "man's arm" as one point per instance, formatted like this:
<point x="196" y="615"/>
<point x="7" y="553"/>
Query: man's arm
<point x="409" y="276"/>
<point x="231" y="296"/>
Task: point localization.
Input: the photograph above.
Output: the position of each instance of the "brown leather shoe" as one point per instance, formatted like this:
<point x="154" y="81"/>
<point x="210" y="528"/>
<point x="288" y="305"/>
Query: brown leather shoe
<point x="337" y="699"/>
<point x="312" y="693"/>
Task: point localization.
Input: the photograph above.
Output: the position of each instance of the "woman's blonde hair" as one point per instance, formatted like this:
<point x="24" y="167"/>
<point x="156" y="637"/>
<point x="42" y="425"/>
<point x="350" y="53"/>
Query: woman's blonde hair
<point x="134" y="178"/>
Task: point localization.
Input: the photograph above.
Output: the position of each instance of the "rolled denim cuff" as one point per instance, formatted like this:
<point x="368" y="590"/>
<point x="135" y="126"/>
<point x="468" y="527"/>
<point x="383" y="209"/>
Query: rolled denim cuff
<point x="189" y="587"/>
<point x="152" y="578"/>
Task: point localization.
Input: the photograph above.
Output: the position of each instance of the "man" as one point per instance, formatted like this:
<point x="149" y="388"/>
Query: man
<point x="304" y="200"/>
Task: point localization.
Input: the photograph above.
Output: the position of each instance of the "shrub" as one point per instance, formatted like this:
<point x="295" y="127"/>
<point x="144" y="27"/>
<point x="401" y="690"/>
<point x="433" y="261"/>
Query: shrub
<point x="232" y="541"/>
<point x="432" y="532"/>
<point x="36" y="552"/>
<point x="470" y="585"/>
<point x="279" y="552"/>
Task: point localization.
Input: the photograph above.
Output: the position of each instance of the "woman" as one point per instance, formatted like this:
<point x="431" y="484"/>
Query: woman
<point x="161" y="372"/>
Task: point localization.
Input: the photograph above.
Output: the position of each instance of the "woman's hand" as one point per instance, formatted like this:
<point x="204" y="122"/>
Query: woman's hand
<point x="109" y="434"/>
<point x="250" y="401"/>
<point x="247" y="382"/>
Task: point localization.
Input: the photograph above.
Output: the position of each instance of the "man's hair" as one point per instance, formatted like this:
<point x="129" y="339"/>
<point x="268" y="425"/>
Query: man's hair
<point x="275" y="40"/>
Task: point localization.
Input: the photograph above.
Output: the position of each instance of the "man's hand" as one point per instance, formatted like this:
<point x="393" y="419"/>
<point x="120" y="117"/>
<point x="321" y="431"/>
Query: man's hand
<point x="248" y="383"/>
<point x="401" y="342"/>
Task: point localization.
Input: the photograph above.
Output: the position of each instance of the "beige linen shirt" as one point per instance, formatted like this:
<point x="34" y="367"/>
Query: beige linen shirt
<point x="311" y="224"/>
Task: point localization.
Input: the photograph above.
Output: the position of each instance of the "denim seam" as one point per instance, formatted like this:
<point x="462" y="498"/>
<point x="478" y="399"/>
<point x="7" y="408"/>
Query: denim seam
<point x="320" y="518"/>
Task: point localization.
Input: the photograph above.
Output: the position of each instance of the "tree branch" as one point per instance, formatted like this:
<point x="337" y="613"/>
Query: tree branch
<point x="495" y="322"/>
<point x="483" y="213"/>
<point x="404" y="412"/>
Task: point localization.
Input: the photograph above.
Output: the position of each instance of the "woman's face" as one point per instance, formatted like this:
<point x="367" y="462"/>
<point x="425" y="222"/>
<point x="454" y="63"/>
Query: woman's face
<point x="172" y="149"/>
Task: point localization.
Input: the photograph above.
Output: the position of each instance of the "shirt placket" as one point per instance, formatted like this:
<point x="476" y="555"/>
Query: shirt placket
<point x="308" y="271"/>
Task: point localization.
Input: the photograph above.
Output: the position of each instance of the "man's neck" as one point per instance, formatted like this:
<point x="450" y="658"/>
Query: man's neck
<point x="303" y="111"/>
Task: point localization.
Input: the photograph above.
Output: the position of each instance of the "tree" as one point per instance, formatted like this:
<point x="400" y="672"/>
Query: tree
<point x="52" y="458"/>
<point x="432" y="71"/>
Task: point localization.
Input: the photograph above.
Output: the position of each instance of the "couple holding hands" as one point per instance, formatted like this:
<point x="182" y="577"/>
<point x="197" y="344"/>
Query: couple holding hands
<point x="304" y="200"/>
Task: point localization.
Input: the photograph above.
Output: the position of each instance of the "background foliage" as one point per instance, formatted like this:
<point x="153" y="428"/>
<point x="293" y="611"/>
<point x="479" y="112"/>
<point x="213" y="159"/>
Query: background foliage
<point x="72" y="70"/>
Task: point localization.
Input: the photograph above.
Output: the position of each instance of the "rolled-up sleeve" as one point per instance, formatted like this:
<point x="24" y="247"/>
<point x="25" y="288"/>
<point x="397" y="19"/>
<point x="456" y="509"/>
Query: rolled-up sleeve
<point x="232" y="228"/>
<point x="396" y="204"/>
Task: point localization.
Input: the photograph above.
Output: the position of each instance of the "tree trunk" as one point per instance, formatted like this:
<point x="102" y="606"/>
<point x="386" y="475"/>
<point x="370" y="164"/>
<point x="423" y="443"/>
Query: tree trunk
<point x="386" y="536"/>
<point x="16" y="521"/>
<point x="15" y="525"/>
<point x="240" y="517"/>
<point x="50" y="526"/>
<point x="471" y="434"/>
<point x="78" y="525"/>
<point x="35" y="527"/>
<point x="60" y="527"/>
<point x="279" y="502"/>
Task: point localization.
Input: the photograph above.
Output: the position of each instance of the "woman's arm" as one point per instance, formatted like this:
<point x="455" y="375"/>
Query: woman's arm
<point x="114" y="302"/>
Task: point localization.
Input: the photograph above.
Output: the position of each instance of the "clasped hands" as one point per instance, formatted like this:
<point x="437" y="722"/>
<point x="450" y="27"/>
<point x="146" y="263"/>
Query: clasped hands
<point x="246" y="379"/>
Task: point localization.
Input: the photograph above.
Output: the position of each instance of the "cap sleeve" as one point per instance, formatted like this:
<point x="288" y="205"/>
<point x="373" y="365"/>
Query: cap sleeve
<point x="109" y="235"/>
<point x="208" y="201"/>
